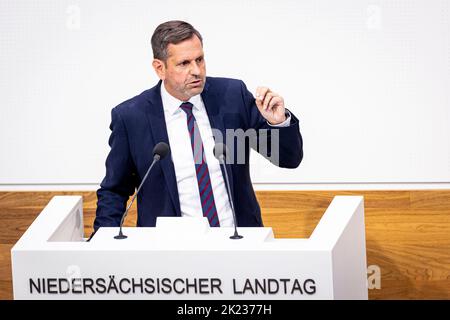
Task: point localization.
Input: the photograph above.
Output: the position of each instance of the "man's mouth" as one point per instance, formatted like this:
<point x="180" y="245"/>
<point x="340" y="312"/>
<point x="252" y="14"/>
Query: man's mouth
<point x="195" y="82"/>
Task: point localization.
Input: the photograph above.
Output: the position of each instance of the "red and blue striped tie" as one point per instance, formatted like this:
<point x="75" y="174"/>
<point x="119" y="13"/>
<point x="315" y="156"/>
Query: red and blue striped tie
<point x="201" y="168"/>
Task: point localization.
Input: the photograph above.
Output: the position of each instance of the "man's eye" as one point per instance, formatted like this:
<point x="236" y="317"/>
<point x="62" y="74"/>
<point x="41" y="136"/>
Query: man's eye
<point x="185" y="63"/>
<point x="199" y="59"/>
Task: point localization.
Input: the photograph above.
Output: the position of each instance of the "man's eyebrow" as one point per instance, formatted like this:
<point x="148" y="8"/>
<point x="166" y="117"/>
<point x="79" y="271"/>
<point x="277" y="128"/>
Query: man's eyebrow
<point x="188" y="60"/>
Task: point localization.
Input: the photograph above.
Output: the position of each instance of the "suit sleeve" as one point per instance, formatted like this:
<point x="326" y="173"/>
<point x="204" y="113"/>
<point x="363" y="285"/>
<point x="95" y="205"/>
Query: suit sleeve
<point x="120" y="179"/>
<point x="288" y="152"/>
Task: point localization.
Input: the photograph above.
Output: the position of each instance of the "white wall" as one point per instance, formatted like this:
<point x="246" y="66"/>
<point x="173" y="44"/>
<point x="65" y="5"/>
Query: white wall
<point x="369" y="80"/>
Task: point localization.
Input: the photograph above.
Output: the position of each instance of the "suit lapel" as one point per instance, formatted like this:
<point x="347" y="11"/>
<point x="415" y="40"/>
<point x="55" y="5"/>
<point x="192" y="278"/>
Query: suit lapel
<point x="155" y="116"/>
<point x="211" y="99"/>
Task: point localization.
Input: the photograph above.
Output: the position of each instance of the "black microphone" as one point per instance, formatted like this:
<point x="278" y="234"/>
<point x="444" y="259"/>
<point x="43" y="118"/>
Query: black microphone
<point x="220" y="152"/>
<point x="159" y="152"/>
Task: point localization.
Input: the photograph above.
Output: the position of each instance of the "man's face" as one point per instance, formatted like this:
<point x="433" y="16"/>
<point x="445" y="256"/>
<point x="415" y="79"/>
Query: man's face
<point x="184" y="72"/>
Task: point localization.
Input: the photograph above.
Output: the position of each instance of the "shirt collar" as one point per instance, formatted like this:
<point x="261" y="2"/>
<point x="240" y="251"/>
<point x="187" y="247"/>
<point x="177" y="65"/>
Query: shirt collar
<point x="172" y="104"/>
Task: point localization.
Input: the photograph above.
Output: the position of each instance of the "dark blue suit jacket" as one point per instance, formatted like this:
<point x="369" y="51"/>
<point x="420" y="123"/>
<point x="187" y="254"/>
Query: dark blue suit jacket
<point x="138" y="125"/>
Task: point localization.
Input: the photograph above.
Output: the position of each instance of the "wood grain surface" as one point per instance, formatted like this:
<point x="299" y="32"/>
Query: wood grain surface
<point x="407" y="232"/>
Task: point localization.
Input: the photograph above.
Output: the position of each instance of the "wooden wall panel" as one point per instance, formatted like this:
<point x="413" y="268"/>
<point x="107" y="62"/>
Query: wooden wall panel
<point x="407" y="232"/>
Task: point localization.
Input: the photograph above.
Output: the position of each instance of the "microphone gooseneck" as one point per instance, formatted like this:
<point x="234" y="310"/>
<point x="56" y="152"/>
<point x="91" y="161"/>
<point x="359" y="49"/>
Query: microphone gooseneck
<point x="159" y="152"/>
<point x="220" y="152"/>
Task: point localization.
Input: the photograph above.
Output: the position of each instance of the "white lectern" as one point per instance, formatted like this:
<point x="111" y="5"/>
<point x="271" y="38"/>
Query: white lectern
<point x="182" y="258"/>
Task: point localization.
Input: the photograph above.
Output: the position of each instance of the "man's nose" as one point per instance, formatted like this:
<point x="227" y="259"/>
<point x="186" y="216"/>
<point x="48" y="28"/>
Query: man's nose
<point x="195" y="69"/>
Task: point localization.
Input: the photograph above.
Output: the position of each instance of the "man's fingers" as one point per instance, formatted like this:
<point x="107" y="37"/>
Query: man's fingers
<point x="260" y="96"/>
<point x="261" y="93"/>
<point x="267" y="99"/>
<point x="259" y="104"/>
<point x="270" y="104"/>
<point x="274" y="101"/>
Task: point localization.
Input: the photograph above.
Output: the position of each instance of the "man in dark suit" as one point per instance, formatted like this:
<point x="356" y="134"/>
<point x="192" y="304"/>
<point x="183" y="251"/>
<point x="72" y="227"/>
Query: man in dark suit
<point x="191" y="112"/>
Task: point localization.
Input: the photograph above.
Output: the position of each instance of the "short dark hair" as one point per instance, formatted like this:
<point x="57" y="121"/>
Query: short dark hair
<point x="173" y="32"/>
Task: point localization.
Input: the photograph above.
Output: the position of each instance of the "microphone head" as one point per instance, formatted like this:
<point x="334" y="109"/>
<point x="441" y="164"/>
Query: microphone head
<point x="220" y="151"/>
<point x="161" y="150"/>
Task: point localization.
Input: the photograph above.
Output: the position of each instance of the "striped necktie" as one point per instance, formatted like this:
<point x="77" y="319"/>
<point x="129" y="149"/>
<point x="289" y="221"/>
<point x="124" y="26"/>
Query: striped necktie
<point x="201" y="168"/>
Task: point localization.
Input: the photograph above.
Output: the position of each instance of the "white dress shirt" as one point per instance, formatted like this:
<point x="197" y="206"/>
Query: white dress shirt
<point x="181" y="153"/>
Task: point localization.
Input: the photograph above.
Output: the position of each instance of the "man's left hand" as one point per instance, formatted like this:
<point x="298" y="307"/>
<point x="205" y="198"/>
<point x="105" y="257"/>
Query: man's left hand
<point x="270" y="105"/>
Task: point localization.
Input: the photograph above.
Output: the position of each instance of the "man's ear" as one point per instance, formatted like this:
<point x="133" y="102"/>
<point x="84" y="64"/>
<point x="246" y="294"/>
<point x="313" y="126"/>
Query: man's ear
<point x="160" y="68"/>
